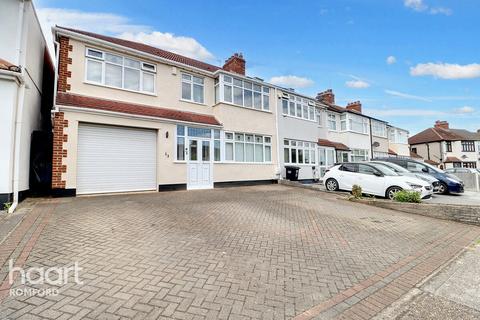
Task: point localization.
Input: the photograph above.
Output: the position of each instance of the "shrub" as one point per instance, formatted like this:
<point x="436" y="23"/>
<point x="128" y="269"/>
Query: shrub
<point x="407" y="196"/>
<point x="356" y="191"/>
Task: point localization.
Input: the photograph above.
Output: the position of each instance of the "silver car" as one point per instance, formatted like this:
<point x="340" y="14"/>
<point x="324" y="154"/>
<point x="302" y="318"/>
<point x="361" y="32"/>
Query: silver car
<point x="404" y="172"/>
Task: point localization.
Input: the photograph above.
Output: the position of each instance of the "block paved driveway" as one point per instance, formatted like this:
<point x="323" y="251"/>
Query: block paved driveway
<point x="264" y="252"/>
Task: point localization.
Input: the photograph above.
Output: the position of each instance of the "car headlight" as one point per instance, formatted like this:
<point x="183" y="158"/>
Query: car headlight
<point x="414" y="185"/>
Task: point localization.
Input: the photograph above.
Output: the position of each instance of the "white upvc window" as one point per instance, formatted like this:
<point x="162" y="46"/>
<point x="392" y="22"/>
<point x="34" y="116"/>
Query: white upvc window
<point x="244" y="93"/>
<point x="193" y="88"/>
<point x="359" y="155"/>
<point x="183" y="133"/>
<point x="332" y="121"/>
<point x="299" y="152"/>
<point x="398" y="136"/>
<point x="357" y="124"/>
<point x="116" y="71"/>
<point x="379" y="129"/>
<point x="249" y="148"/>
<point x="343" y="122"/>
<point x="298" y="107"/>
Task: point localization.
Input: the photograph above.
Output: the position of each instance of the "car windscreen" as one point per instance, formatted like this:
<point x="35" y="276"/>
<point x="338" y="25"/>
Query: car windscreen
<point x="384" y="169"/>
<point x="393" y="166"/>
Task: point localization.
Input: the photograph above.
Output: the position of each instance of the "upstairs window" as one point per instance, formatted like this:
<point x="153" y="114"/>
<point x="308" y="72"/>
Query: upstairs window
<point x="448" y="146"/>
<point x="298" y="107"/>
<point x="192" y="88"/>
<point x="357" y="124"/>
<point x="332" y="121"/>
<point x="379" y="129"/>
<point x="245" y="93"/>
<point x="116" y="71"/>
<point x="468" y="146"/>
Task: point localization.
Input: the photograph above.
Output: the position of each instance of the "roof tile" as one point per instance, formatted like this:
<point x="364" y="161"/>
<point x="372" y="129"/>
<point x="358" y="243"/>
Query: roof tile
<point x="332" y="144"/>
<point x="74" y="100"/>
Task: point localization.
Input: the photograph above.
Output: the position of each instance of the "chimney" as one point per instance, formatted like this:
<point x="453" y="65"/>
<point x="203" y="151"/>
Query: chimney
<point x="355" y="106"/>
<point x="326" y="96"/>
<point x="441" y="124"/>
<point x="235" y="63"/>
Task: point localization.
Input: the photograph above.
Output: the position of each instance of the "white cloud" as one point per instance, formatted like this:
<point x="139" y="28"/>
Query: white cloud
<point x="291" y="81"/>
<point x="357" y="84"/>
<point x="441" y="10"/>
<point x="417" y="5"/>
<point x="464" y="110"/>
<point x="406" y="95"/>
<point x="120" y="26"/>
<point x="391" y="60"/>
<point x="182" y="45"/>
<point x="446" y="70"/>
<point x="403" y="112"/>
<point x="421" y="6"/>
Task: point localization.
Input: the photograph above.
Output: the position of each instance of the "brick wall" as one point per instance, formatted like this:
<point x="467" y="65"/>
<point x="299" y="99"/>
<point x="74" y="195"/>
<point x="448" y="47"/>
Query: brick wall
<point x="59" y="138"/>
<point x="64" y="61"/>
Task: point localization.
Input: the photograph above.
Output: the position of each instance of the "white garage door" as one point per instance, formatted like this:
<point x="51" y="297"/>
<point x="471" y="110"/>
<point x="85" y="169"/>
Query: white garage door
<point x="115" y="159"/>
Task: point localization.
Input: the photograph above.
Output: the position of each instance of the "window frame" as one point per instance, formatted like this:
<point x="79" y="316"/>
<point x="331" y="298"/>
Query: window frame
<point x="306" y="147"/>
<point x="448" y="146"/>
<point x="332" y="118"/>
<point x="192" y="83"/>
<point x="302" y="103"/>
<point x="102" y="60"/>
<point x="468" y="146"/>
<point x="233" y="141"/>
<point x="382" y="133"/>
<point x="245" y="85"/>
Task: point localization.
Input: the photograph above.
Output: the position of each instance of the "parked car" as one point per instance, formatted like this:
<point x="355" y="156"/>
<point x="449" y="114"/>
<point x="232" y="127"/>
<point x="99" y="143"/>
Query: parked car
<point x="462" y="170"/>
<point x="404" y="172"/>
<point x="448" y="182"/>
<point x="374" y="180"/>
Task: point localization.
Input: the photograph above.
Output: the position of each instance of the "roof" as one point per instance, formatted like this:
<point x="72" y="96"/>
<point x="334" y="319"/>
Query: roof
<point x="441" y="134"/>
<point x="336" y="108"/>
<point x="332" y="144"/>
<point x="415" y="155"/>
<point x="433" y="163"/>
<point x="5" y="65"/>
<point x="74" y="100"/>
<point x="452" y="159"/>
<point x="390" y="151"/>
<point x="148" y="49"/>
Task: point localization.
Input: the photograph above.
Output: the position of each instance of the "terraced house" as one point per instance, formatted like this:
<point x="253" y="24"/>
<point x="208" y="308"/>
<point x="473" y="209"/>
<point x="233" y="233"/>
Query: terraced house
<point x="131" y="117"/>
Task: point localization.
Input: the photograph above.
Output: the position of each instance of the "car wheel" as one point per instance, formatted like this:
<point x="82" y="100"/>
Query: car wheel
<point x="331" y="185"/>
<point x="391" y="192"/>
<point x="442" y="188"/>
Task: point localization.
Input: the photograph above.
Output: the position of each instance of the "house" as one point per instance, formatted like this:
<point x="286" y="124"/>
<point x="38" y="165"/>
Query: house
<point x="447" y="147"/>
<point x="398" y="141"/>
<point x="365" y="137"/>
<point x="26" y="89"/>
<point x="131" y="117"/>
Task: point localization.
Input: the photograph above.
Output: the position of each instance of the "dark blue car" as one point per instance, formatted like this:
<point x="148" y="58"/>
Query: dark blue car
<point x="448" y="182"/>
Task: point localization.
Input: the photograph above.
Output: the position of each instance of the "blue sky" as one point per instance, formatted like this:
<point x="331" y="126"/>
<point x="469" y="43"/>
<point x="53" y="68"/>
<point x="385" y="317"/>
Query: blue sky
<point x="410" y="62"/>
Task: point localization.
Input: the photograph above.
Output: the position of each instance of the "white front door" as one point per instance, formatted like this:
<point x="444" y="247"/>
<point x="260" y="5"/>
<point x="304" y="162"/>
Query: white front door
<point x="326" y="159"/>
<point x="200" y="173"/>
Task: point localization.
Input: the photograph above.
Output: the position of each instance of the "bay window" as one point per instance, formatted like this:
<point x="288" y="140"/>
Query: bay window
<point x="244" y="93"/>
<point x="299" y="152"/>
<point x="250" y="148"/>
<point x="116" y="71"/>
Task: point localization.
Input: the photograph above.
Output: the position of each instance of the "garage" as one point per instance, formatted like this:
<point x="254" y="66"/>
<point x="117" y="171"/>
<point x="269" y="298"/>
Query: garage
<point x="115" y="159"/>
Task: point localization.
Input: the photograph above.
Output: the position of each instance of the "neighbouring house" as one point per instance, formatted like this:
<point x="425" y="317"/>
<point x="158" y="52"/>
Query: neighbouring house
<point x="132" y="117"/>
<point x="26" y="91"/>
<point x="398" y="141"/>
<point x="447" y="147"/>
<point x="364" y="136"/>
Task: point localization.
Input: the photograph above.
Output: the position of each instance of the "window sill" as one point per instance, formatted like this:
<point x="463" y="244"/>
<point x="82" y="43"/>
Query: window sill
<point x="193" y="102"/>
<point x="242" y="107"/>
<point x="298" y="118"/>
<point x="121" y="89"/>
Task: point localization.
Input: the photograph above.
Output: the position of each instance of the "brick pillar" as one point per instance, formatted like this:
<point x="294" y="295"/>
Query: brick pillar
<point x="59" y="138"/>
<point x="63" y="61"/>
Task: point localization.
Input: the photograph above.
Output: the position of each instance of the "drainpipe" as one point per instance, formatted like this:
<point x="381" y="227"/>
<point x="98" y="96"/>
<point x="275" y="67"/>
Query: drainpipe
<point x="19" y="107"/>
<point x="279" y="167"/>
<point x="55" y="84"/>
<point x="371" y="138"/>
<point x="428" y="151"/>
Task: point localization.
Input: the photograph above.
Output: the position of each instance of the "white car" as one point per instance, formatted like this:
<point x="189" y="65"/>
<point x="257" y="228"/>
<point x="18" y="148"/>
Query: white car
<point x="374" y="180"/>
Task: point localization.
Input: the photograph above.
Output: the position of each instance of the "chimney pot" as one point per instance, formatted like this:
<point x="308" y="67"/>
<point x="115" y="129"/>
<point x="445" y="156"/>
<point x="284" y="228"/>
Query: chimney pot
<point x="326" y="96"/>
<point x="441" y="124"/>
<point x="236" y="63"/>
<point x="355" y="106"/>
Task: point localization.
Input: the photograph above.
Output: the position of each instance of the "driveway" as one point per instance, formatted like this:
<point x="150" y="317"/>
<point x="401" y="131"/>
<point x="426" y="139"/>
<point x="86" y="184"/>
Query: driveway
<point x="469" y="198"/>
<point x="265" y="252"/>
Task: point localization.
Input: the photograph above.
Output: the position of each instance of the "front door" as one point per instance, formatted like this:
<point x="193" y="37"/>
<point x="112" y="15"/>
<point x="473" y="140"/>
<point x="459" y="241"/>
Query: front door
<point x="200" y="173"/>
<point x="326" y="159"/>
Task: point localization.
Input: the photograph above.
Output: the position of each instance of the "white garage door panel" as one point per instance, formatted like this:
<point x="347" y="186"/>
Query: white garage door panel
<point x="115" y="159"/>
